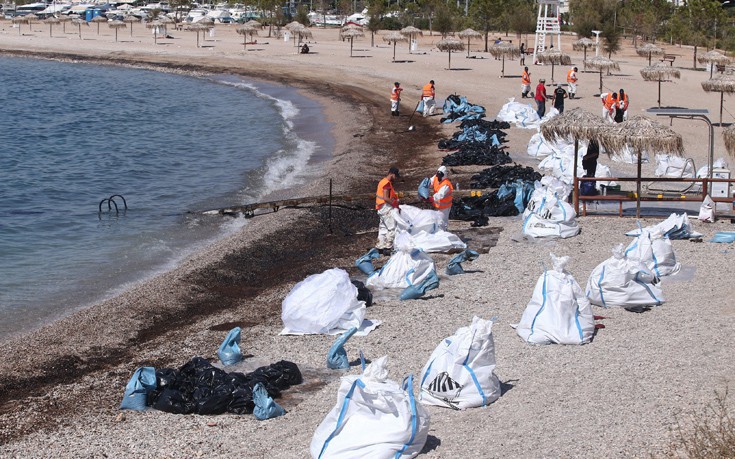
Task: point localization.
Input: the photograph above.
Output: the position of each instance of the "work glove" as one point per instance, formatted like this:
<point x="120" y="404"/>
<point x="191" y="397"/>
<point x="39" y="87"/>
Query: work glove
<point x="337" y="356"/>
<point x="265" y="406"/>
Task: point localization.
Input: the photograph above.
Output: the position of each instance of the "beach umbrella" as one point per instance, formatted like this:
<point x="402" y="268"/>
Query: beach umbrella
<point x="116" y="25"/>
<point x="659" y="72"/>
<point x="575" y="124"/>
<point x="51" y="21"/>
<point x="506" y="49"/>
<point x="79" y="22"/>
<point x="98" y="20"/>
<point x="197" y="27"/>
<point x="411" y="32"/>
<point x="20" y="20"/>
<point x="30" y="18"/>
<point x="602" y="63"/>
<point x="156" y="26"/>
<point x="293" y="25"/>
<point x="722" y="83"/>
<point x="729" y="135"/>
<point x="640" y="134"/>
<point x="246" y="31"/>
<point x="583" y="44"/>
<point x="350" y="34"/>
<point x="63" y="20"/>
<point x="648" y="50"/>
<point x="130" y="20"/>
<point x="450" y="44"/>
<point x="394" y="37"/>
<point x="713" y="58"/>
<point x="554" y="57"/>
<point x="469" y="34"/>
<point x="254" y="23"/>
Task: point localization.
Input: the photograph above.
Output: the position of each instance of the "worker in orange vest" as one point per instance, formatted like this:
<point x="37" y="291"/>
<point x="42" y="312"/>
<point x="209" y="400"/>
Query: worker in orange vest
<point x="608" y="106"/>
<point x="622" y="106"/>
<point x="572" y="82"/>
<point x="386" y="200"/>
<point x="443" y="190"/>
<point x="428" y="93"/>
<point x="525" y="83"/>
<point x="395" y="98"/>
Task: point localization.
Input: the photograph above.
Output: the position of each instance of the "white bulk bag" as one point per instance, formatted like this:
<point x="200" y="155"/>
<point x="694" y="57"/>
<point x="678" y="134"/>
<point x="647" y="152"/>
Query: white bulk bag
<point x="676" y="226"/>
<point x="558" y="312"/>
<point x="547" y="213"/>
<point x="707" y="210"/>
<point x="538" y="147"/>
<point x="673" y="166"/>
<point x="624" y="282"/>
<point x="703" y="171"/>
<point x="523" y="115"/>
<point x="322" y="303"/>
<point x="628" y="155"/>
<point x="374" y="418"/>
<point x="461" y="371"/>
<point x="655" y="250"/>
<point x="441" y="241"/>
<point x="412" y="220"/>
<point x="408" y="266"/>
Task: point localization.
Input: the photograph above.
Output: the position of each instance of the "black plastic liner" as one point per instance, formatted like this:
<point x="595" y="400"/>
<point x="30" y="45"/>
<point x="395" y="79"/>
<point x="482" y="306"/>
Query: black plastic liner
<point x="472" y="153"/>
<point x="497" y="175"/>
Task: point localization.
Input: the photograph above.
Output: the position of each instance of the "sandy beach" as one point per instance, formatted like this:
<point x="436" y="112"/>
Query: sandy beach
<point x="616" y="397"/>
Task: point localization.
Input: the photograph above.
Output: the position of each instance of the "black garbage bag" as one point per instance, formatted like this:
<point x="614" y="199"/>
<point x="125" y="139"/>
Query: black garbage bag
<point x="217" y="401"/>
<point x="495" y="176"/>
<point x="242" y="401"/>
<point x="473" y="153"/>
<point x="166" y="377"/>
<point x="175" y="402"/>
<point x="363" y="293"/>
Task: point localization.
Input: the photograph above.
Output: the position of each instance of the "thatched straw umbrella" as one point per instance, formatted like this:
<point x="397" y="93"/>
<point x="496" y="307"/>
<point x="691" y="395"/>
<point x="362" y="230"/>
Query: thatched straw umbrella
<point x="63" y="19"/>
<point x="574" y="124"/>
<point x="505" y="49"/>
<point x="729" y="135"/>
<point x="554" y="57"/>
<point x="130" y="20"/>
<point x="197" y="27"/>
<point x="79" y="22"/>
<point x="640" y="134"/>
<point x="350" y="34"/>
<point x="602" y="63"/>
<point x="254" y="23"/>
<point x="411" y="32"/>
<point x="116" y="25"/>
<point x="648" y="50"/>
<point x="659" y="72"/>
<point x="20" y="20"/>
<point x="450" y="44"/>
<point x="394" y="37"/>
<point x="156" y="26"/>
<point x="583" y="44"/>
<point x="30" y="18"/>
<point x="293" y="25"/>
<point x="469" y="34"/>
<point x="723" y="83"/>
<point x="247" y="31"/>
<point x="98" y="20"/>
<point x="296" y="28"/>
<point x="51" y="21"/>
<point x="713" y="58"/>
<point x="302" y="33"/>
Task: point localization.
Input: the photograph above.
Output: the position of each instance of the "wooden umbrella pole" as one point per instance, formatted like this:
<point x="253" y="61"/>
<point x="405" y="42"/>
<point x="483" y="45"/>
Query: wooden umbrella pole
<point x="575" y="190"/>
<point x="600" y="80"/>
<point x="722" y="98"/>
<point x="659" y="93"/>
<point x="638" y="187"/>
<point x="394" y="50"/>
<point x="502" y="70"/>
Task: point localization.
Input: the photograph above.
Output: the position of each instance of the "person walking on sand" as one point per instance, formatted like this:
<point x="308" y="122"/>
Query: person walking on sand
<point x="540" y="98"/>
<point x="428" y="93"/>
<point x="622" y="106"/>
<point x="559" y="95"/>
<point x="525" y="83"/>
<point x="443" y="191"/>
<point x="609" y="100"/>
<point x="386" y="200"/>
<point x="523" y="54"/>
<point x="572" y="82"/>
<point x="395" y="99"/>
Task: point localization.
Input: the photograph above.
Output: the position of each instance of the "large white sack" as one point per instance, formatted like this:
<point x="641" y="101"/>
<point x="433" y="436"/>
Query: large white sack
<point x="374" y="418"/>
<point x="707" y="210"/>
<point x="628" y="155"/>
<point x="719" y="163"/>
<point x="547" y="213"/>
<point x="412" y="220"/>
<point x="523" y="115"/>
<point x="655" y="250"/>
<point x="675" y="226"/>
<point x="673" y="166"/>
<point x="559" y="311"/>
<point x="439" y="242"/>
<point x="408" y="266"/>
<point x="622" y="281"/>
<point x="539" y="147"/>
<point x="461" y="371"/>
<point x="322" y="303"/>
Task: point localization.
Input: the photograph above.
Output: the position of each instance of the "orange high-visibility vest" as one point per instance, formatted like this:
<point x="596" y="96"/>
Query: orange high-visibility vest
<point x="609" y="101"/>
<point x="571" y="76"/>
<point x="446" y="201"/>
<point x="395" y="93"/>
<point x="525" y="78"/>
<point x="382" y="185"/>
<point x="428" y="90"/>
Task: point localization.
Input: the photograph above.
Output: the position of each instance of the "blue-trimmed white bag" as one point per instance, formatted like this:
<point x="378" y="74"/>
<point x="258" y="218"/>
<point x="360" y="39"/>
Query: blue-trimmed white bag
<point x="374" y="417"/>
<point x="461" y="371"/>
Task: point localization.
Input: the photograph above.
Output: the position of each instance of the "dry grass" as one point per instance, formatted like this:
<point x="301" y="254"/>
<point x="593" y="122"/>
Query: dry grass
<point x="708" y="434"/>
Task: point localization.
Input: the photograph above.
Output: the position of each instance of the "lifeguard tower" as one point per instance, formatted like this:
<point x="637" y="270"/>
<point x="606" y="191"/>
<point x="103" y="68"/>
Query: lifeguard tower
<point x="547" y="23"/>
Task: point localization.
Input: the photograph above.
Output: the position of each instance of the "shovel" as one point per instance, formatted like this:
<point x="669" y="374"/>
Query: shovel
<point x="410" y="126"/>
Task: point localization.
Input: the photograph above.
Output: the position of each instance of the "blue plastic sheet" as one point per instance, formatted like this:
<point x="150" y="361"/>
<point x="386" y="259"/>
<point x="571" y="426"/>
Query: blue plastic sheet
<point x="229" y="351"/>
<point x="365" y="264"/>
<point x="723" y="237"/>
<point x="141" y="383"/>
<point x="417" y="291"/>
<point x="455" y="267"/>
<point x="424" y="190"/>
<point x="265" y="406"/>
<point x="337" y="356"/>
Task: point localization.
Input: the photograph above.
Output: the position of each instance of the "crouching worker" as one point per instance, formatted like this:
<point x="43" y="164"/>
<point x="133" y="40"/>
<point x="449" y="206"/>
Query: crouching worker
<point x="305" y="49"/>
<point x="386" y="200"/>
<point x="443" y="190"/>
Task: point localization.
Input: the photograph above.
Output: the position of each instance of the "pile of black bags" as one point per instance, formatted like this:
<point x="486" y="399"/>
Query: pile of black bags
<point x="198" y="387"/>
<point x="477" y="209"/>
<point x="495" y="176"/>
<point x="479" y="154"/>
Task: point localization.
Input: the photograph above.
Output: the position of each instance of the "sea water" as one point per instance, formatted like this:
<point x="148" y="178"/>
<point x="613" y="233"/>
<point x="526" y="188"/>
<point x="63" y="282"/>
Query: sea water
<point x="77" y="138"/>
